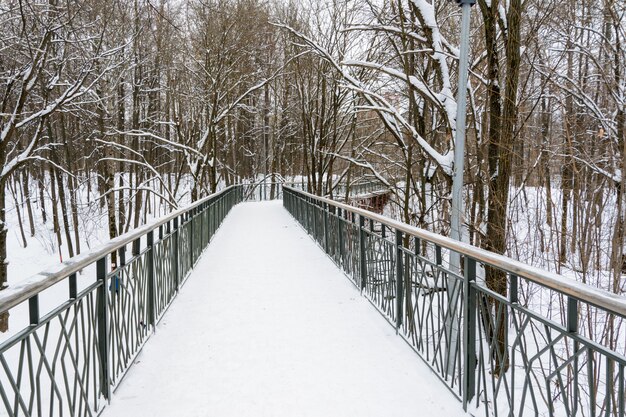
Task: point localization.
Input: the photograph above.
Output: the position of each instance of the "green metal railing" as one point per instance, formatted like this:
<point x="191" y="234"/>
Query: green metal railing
<point x="67" y="361"/>
<point x="513" y="354"/>
<point x="359" y="189"/>
<point x="272" y="190"/>
<point x="499" y="354"/>
<point x="267" y="190"/>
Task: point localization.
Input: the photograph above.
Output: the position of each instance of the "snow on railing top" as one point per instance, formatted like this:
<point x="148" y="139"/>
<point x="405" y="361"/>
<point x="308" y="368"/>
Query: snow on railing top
<point x="33" y="285"/>
<point x="612" y="302"/>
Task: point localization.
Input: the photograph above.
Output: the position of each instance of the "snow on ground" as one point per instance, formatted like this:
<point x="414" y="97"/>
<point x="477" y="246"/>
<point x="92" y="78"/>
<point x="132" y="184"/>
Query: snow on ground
<point x="266" y="325"/>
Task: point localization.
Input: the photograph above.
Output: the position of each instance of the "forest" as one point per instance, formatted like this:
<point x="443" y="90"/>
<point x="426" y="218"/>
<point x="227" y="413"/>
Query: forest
<point x="124" y="110"/>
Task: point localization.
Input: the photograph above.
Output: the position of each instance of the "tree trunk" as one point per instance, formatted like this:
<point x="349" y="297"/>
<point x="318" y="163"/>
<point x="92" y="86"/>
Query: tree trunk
<point x="14" y="188"/>
<point x="42" y="200"/>
<point x="4" y="317"/>
<point x="545" y="164"/>
<point x="55" y="213"/>
<point x="121" y="109"/>
<point x="29" y="207"/>
<point x="500" y="155"/>
<point x="72" y="187"/>
<point x="64" y="214"/>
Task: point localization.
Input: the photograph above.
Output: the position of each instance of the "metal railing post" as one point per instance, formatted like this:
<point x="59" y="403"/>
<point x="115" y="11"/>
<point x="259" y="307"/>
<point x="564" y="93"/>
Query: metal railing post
<point x="220" y="212"/>
<point x="469" y="332"/>
<point x="340" y="235"/>
<point x="151" y="279"/>
<point x="314" y="206"/>
<point x="399" y="279"/>
<point x="103" y="332"/>
<point x="121" y="253"/>
<point x="33" y="309"/>
<point x="572" y="315"/>
<point x="572" y="327"/>
<point x="304" y="213"/>
<point x="73" y="287"/>
<point x="312" y="221"/>
<point x="208" y="223"/>
<point x="311" y="214"/>
<point x="513" y="288"/>
<point x="201" y="216"/>
<point x="175" y="242"/>
<point x="136" y="246"/>
<point x="210" y="210"/>
<point x="362" y="260"/>
<point x="325" y="213"/>
<point x="190" y="220"/>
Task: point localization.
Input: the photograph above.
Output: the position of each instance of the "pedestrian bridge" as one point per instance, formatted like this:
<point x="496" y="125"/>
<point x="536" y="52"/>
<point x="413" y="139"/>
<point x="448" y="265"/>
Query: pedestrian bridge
<point x="229" y="308"/>
<point x="266" y="325"/>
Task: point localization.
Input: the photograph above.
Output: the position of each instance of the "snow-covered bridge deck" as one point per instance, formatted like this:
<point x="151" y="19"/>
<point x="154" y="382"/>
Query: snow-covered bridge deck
<point x="266" y="325"/>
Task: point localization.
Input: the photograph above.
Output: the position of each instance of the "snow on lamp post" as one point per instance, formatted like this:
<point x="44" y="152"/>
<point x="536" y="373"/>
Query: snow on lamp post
<point x="456" y="218"/>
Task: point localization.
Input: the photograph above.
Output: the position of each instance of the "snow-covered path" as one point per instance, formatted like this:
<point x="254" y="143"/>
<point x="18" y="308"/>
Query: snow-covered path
<point x="266" y="325"/>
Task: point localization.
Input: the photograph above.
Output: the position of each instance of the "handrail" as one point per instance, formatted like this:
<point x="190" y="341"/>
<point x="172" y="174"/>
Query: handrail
<point x="25" y="289"/>
<point x="471" y="336"/>
<point x="95" y="333"/>
<point x="613" y="302"/>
